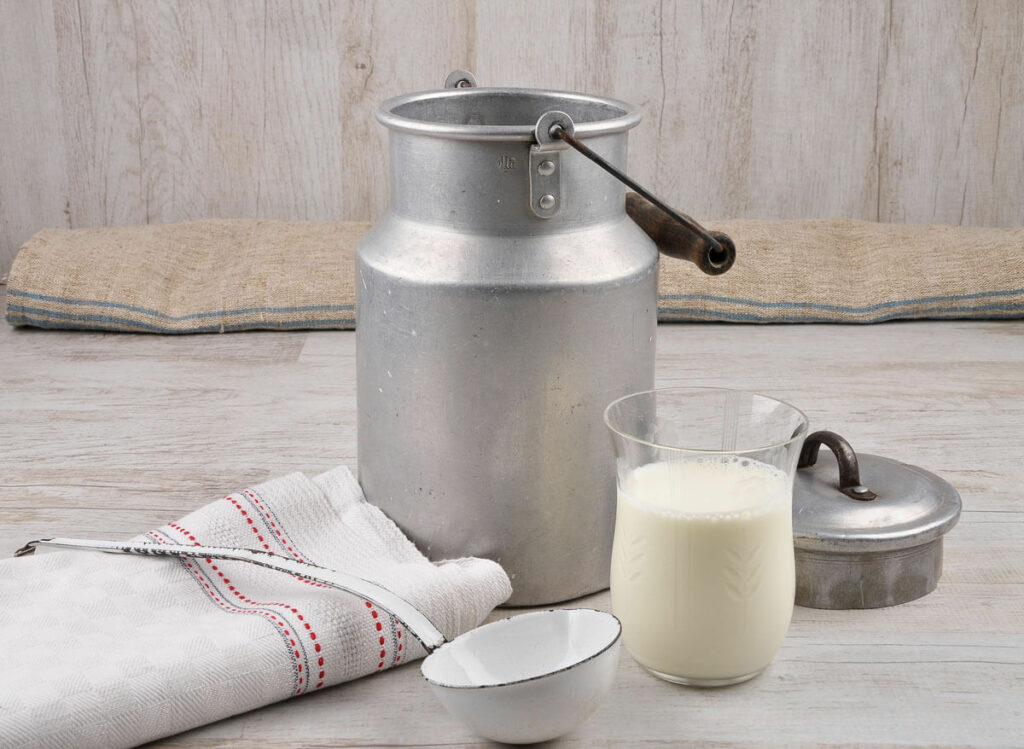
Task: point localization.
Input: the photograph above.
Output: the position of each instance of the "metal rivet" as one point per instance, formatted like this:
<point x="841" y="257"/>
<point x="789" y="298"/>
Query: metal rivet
<point x="859" y="489"/>
<point x="546" y="168"/>
<point x="547" y="202"/>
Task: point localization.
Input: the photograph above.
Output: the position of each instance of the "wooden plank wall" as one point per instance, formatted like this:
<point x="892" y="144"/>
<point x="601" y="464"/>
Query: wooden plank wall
<point x="122" y="111"/>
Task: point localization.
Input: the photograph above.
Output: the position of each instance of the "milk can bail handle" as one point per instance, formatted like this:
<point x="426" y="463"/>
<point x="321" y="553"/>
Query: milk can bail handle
<point x="849" y="469"/>
<point x="460" y="79"/>
<point x="712" y="251"/>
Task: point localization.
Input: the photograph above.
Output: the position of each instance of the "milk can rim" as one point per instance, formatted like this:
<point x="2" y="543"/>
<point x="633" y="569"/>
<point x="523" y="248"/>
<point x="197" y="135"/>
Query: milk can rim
<point x="386" y="115"/>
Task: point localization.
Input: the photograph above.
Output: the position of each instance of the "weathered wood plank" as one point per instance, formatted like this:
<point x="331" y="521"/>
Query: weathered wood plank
<point x="752" y="110"/>
<point x="101" y="94"/>
<point x="124" y="112"/>
<point x="950" y="96"/>
<point x="890" y="111"/>
<point x="391" y="48"/>
<point x="33" y="183"/>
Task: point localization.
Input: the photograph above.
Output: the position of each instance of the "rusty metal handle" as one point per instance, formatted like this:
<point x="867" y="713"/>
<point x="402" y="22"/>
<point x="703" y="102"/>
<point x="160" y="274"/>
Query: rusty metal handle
<point x="849" y="470"/>
<point x="675" y="233"/>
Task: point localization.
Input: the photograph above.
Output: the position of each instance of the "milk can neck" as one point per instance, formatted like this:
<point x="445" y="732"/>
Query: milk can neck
<point x="484" y="186"/>
<point x="461" y="158"/>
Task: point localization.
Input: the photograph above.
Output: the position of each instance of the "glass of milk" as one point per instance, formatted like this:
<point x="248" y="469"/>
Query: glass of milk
<point x="702" y="571"/>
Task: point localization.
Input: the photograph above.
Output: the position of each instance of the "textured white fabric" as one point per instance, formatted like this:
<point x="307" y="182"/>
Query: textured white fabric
<point x="102" y="650"/>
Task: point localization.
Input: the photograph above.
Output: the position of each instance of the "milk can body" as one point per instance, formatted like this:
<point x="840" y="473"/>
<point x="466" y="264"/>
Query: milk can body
<point x="489" y="339"/>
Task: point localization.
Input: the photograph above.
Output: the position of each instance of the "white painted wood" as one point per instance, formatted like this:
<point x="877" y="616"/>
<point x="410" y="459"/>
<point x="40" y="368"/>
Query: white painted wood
<point x="110" y="434"/>
<point x="125" y="112"/>
<point x="888" y="111"/>
<point x="752" y="110"/>
<point x="33" y="183"/>
<point x="391" y="48"/>
<point x="946" y="145"/>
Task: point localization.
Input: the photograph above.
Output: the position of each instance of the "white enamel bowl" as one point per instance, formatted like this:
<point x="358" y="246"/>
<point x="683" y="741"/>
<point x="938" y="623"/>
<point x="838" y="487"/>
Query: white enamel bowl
<point x="530" y="677"/>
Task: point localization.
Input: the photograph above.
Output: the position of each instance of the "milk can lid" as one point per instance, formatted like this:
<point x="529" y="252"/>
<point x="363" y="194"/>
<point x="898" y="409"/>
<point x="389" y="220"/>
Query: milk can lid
<point x="892" y="506"/>
<point x="867" y="530"/>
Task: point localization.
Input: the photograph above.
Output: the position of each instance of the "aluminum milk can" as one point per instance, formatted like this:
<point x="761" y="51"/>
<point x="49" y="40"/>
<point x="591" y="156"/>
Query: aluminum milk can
<point x="503" y="300"/>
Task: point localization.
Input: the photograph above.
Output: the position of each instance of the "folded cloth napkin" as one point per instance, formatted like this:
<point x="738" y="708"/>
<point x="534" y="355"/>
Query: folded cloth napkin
<point x="224" y="275"/>
<point x="107" y="650"/>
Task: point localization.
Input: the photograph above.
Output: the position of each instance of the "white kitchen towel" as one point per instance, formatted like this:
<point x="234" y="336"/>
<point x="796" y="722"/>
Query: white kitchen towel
<point x="103" y="650"/>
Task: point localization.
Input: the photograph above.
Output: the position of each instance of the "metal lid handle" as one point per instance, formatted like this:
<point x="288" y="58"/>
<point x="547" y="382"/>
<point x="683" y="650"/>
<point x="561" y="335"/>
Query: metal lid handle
<point x="849" y="470"/>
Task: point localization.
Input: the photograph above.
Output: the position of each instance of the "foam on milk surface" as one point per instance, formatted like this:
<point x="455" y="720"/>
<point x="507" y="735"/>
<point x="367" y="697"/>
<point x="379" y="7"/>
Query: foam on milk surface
<point x="714" y="485"/>
<point x="702" y="565"/>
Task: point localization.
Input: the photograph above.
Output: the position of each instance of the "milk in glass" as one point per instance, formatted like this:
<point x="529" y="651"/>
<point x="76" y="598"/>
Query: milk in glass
<point x="702" y="566"/>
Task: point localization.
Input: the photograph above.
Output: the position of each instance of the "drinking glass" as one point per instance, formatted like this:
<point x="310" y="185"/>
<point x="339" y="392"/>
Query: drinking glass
<point x="702" y="571"/>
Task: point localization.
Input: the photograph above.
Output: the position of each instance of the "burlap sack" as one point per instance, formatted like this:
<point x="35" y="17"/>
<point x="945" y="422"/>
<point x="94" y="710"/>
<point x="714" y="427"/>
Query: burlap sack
<point x="840" y="270"/>
<point x="225" y="275"/>
<point x="195" y="277"/>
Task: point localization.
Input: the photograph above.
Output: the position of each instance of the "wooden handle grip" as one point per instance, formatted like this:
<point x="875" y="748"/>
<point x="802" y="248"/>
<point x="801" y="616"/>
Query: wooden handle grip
<point x="677" y="241"/>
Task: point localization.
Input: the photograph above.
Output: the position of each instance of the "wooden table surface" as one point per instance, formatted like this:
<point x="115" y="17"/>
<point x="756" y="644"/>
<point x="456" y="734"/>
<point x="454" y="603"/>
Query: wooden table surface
<point x="109" y="435"/>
